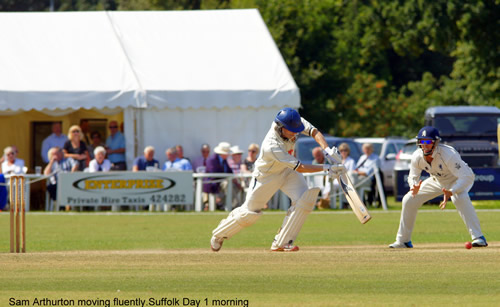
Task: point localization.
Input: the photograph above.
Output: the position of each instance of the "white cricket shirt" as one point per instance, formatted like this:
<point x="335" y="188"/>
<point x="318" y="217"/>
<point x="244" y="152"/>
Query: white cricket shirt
<point x="277" y="154"/>
<point x="447" y="168"/>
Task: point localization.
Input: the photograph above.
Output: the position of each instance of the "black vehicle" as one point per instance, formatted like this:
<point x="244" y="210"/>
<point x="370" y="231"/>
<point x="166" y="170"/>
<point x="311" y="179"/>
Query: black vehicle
<point x="471" y="130"/>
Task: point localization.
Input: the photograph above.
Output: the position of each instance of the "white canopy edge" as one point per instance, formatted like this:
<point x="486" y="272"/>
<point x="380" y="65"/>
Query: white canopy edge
<point x="163" y="59"/>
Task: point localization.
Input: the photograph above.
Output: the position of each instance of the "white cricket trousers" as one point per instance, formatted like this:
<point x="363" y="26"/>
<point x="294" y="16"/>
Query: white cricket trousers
<point x="430" y="189"/>
<point x="259" y="193"/>
<point x="292" y="183"/>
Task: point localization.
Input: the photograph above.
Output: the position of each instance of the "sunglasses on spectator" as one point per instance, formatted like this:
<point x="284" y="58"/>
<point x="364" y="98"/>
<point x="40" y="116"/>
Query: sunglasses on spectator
<point x="10" y="154"/>
<point x="426" y="142"/>
<point x="75" y="131"/>
<point x="113" y="127"/>
<point x="343" y="150"/>
<point x="250" y="150"/>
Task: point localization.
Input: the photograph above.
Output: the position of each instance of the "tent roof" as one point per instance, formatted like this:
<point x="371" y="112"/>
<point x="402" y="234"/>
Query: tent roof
<point x="163" y="59"/>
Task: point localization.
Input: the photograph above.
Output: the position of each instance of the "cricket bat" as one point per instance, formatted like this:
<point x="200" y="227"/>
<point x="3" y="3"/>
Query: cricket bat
<point x="353" y="199"/>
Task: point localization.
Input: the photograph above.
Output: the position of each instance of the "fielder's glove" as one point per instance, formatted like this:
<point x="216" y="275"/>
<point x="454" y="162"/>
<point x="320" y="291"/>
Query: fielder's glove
<point x="332" y="155"/>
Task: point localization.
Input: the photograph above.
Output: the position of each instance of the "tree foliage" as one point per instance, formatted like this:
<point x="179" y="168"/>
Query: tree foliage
<point x="364" y="67"/>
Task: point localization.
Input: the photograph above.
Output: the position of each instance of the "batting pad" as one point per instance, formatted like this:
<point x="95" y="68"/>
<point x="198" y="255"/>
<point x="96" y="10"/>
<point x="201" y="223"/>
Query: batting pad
<point x="293" y="223"/>
<point x="238" y="219"/>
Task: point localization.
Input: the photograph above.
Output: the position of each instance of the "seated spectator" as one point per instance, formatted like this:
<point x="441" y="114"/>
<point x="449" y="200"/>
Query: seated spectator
<point x="217" y="163"/>
<point x="11" y="164"/>
<point x="201" y="161"/>
<point x="99" y="163"/>
<point x="349" y="164"/>
<point x="115" y="147"/>
<point x="365" y="167"/>
<point x="180" y="153"/>
<point x="76" y="148"/>
<point x="174" y="163"/>
<point x="235" y="161"/>
<point x="95" y="141"/>
<point x="347" y="160"/>
<point x="200" y="165"/>
<point x="57" y="164"/>
<point x="321" y="181"/>
<point x="248" y="163"/>
<point x="148" y="160"/>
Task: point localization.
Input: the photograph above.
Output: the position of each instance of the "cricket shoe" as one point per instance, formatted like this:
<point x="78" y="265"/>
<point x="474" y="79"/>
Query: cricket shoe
<point x="286" y="248"/>
<point x="479" y="242"/>
<point x="216" y="243"/>
<point x="401" y="245"/>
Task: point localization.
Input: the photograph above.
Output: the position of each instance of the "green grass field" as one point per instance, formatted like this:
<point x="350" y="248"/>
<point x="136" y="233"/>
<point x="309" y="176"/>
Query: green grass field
<point x="165" y="259"/>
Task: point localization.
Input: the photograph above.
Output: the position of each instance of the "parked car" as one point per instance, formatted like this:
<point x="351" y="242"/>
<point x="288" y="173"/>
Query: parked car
<point x="471" y="130"/>
<point x="386" y="149"/>
<point x="403" y="158"/>
<point x="305" y="145"/>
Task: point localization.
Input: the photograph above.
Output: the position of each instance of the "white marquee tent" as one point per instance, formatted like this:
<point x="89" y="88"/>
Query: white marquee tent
<point x="179" y="77"/>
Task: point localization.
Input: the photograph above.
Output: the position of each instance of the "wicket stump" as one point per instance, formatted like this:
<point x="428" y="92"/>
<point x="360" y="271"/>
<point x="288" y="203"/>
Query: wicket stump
<point x="17" y="214"/>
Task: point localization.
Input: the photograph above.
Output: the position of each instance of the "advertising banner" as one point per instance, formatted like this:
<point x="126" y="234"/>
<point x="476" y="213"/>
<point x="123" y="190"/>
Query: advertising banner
<point x="125" y="188"/>
<point x="486" y="184"/>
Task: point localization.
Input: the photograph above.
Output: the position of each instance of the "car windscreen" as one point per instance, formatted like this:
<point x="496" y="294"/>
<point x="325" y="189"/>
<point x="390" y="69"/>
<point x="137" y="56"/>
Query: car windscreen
<point x="409" y="148"/>
<point x="458" y="125"/>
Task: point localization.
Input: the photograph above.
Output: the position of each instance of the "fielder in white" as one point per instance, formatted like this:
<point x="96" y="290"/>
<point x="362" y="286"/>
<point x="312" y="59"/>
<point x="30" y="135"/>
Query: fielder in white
<point x="276" y="169"/>
<point x="449" y="176"/>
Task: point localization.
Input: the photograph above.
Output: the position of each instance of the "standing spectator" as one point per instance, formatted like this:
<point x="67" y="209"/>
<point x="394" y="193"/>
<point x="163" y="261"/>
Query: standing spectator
<point x="201" y="161"/>
<point x="75" y="148"/>
<point x="84" y="126"/>
<point x="57" y="164"/>
<point x="96" y="141"/>
<point x="11" y="164"/>
<point x="174" y="163"/>
<point x="217" y="163"/>
<point x="115" y="148"/>
<point x="56" y="139"/>
<point x="248" y="163"/>
<point x="99" y="163"/>
<point x="141" y="163"/>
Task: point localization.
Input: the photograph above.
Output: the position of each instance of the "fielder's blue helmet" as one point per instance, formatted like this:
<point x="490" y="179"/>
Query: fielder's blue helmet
<point x="428" y="132"/>
<point x="290" y="119"/>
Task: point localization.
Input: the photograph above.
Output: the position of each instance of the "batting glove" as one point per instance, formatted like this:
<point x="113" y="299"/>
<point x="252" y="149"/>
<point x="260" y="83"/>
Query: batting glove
<point x="332" y="155"/>
<point x="335" y="170"/>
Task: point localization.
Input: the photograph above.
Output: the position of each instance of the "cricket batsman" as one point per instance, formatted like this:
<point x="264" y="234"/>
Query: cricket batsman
<point x="276" y="169"/>
<point x="449" y="176"/>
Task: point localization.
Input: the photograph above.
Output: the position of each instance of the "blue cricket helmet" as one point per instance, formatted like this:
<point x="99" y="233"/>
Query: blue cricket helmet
<point x="290" y="119"/>
<point x="428" y="132"/>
